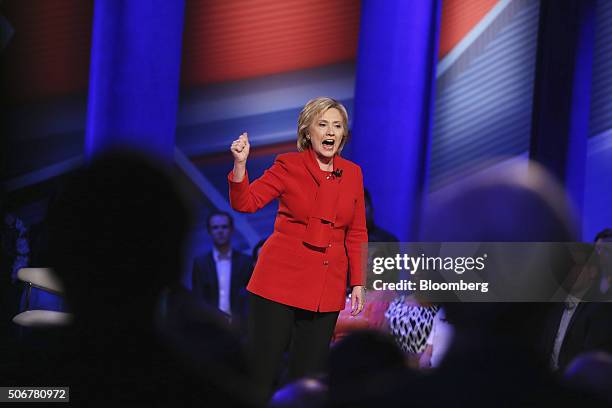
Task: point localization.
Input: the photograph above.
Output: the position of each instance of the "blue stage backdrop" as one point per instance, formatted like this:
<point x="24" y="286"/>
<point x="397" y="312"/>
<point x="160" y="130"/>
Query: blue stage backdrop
<point x="597" y="207"/>
<point x="393" y="97"/>
<point x="134" y="76"/>
<point x="484" y="91"/>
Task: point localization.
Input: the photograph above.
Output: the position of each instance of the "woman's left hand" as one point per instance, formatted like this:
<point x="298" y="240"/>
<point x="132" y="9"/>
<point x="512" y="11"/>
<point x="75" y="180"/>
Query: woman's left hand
<point x="357" y="300"/>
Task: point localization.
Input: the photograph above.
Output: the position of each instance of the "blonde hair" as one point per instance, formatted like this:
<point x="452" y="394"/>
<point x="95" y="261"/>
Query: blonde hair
<point x="312" y="110"/>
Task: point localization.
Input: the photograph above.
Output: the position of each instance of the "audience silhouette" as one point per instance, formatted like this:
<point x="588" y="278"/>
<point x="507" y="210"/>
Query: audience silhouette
<point x="117" y="235"/>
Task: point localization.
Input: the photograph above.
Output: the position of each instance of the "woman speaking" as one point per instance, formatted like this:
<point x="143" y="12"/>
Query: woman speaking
<point x="299" y="283"/>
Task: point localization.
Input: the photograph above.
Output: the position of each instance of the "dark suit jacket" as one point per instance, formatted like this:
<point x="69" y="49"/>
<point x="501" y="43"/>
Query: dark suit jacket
<point x="590" y="329"/>
<point x="206" y="286"/>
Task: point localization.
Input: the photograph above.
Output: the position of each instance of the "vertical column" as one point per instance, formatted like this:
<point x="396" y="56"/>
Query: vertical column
<point x="134" y="76"/>
<point x="398" y="42"/>
<point x="562" y="92"/>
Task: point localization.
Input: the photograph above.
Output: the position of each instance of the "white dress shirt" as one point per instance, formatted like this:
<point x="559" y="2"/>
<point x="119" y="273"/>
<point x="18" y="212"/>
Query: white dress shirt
<point x="224" y="277"/>
<point x="570" y="308"/>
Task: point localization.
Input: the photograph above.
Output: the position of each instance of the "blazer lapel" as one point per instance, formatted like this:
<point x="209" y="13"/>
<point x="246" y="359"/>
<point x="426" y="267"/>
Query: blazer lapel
<point x="323" y="213"/>
<point x="212" y="278"/>
<point x="580" y="309"/>
<point x="309" y="163"/>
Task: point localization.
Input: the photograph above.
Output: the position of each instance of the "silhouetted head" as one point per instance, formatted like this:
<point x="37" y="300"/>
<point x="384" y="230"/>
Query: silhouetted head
<point x="304" y="393"/>
<point x="117" y="234"/>
<point x="364" y="367"/>
<point x="592" y="372"/>
<point x="520" y="203"/>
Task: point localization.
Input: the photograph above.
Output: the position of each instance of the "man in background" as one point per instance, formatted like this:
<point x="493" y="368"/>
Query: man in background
<point x="220" y="276"/>
<point x="603" y="249"/>
<point x="583" y="322"/>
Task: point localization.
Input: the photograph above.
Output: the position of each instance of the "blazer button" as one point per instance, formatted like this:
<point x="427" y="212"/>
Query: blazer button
<point x="325" y="262"/>
<point x="329" y="245"/>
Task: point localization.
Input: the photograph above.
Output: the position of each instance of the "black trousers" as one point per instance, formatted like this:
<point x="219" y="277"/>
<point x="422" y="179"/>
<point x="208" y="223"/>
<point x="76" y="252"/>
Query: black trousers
<point x="272" y="327"/>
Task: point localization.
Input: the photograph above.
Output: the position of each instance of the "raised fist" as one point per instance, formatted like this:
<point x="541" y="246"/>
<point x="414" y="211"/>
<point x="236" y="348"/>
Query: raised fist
<point x="240" y="148"/>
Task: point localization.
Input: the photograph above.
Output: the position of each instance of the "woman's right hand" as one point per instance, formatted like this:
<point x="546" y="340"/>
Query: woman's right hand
<point x="240" y="148"/>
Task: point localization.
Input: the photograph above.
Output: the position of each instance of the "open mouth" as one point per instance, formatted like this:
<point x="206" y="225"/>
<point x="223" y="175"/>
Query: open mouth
<point x="329" y="143"/>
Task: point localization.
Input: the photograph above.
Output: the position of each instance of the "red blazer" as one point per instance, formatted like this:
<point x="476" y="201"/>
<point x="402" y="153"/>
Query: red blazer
<point x="290" y="270"/>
